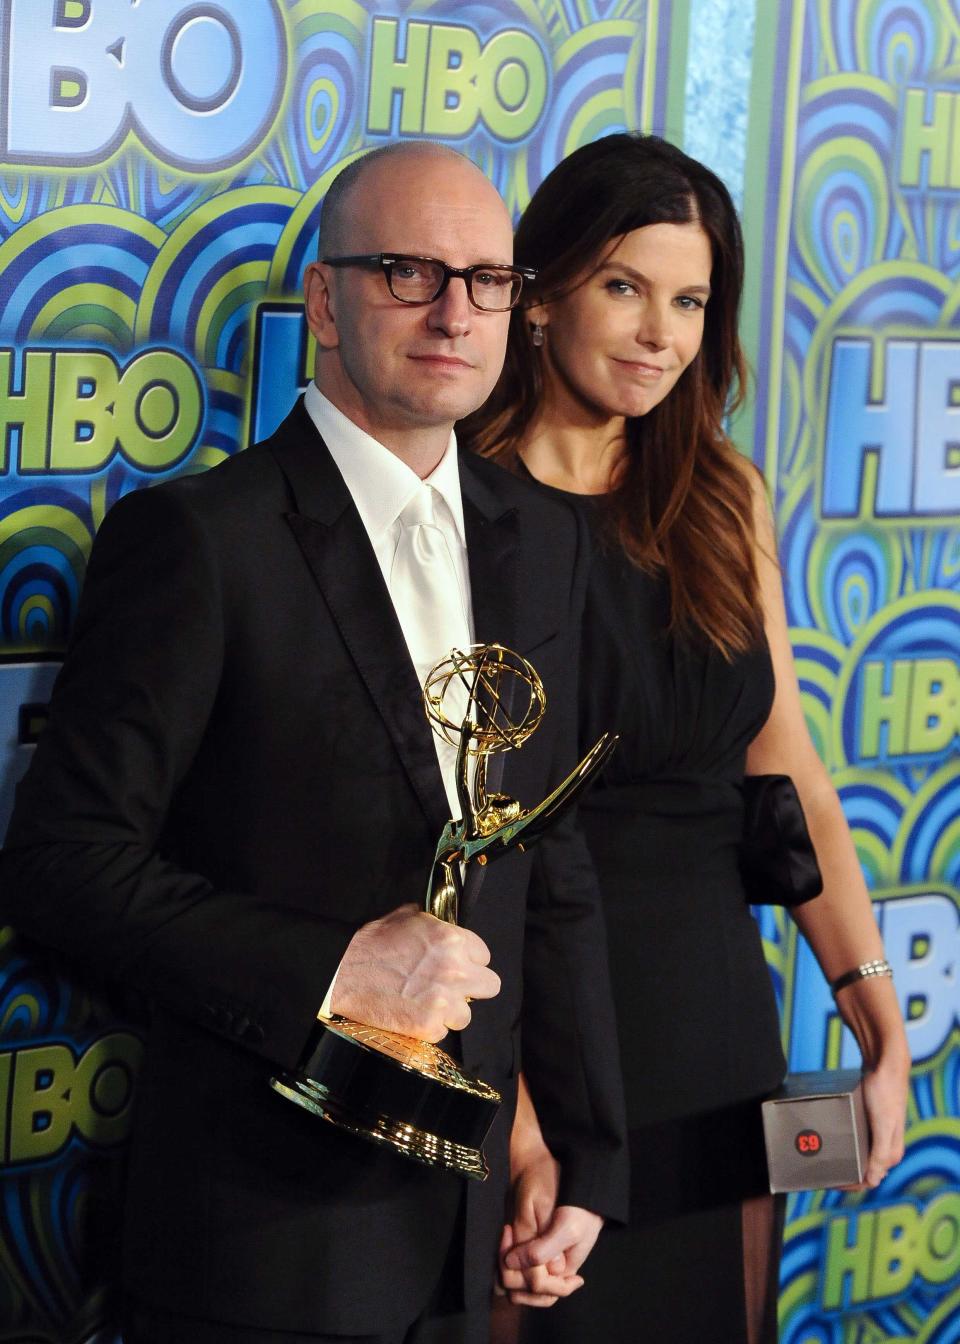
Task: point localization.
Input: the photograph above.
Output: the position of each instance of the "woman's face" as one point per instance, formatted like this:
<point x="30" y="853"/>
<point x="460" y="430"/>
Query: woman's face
<point x="617" y="343"/>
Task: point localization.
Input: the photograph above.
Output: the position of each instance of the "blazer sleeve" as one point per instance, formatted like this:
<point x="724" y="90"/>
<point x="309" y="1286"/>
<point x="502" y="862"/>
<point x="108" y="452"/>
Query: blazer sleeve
<point x="570" y="1050"/>
<point x="83" y="869"/>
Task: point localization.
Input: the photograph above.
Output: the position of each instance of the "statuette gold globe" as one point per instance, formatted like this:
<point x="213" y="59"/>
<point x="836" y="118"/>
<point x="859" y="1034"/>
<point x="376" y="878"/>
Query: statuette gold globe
<point x="506" y="698"/>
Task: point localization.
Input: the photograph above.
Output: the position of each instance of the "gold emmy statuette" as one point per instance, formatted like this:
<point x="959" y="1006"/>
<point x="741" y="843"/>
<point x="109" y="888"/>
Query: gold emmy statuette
<point x="392" y="1089"/>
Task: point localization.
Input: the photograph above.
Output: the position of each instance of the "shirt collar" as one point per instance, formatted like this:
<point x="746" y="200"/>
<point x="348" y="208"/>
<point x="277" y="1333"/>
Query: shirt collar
<point x="380" y="484"/>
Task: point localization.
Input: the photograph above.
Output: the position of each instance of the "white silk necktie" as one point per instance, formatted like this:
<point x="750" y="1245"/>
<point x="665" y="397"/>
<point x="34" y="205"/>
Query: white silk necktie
<point x="427" y="598"/>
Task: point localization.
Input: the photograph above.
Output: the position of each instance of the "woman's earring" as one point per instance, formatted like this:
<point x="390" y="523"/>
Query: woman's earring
<point x="536" y="333"/>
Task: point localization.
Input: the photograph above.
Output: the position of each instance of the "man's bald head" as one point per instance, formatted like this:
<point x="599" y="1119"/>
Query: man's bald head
<point x="405" y="372"/>
<point x="344" y="197"/>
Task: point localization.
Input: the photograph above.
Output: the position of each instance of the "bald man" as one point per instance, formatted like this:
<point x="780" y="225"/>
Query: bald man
<point x="237" y="800"/>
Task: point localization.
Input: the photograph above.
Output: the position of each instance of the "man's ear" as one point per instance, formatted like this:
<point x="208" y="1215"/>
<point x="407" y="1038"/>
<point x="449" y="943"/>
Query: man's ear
<point x="318" y="301"/>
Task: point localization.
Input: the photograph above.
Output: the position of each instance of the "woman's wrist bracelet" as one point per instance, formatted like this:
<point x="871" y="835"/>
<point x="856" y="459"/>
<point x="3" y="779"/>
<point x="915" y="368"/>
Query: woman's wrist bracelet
<point x="869" y="970"/>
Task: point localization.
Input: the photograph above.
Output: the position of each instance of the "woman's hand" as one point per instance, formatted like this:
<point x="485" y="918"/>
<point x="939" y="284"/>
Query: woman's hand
<point x="542" y="1249"/>
<point x="885" y="1097"/>
<point x="544" y="1244"/>
<point x="535" y="1185"/>
<point x="869" y="1008"/>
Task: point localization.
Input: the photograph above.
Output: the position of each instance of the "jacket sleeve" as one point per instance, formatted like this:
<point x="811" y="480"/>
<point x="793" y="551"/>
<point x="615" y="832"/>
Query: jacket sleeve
<point x="83" y="869"/>
<point x="570" y="1050"/>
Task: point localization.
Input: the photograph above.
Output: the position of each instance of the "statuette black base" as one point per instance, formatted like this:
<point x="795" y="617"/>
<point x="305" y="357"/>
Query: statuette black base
<point x="394" y="1090"/>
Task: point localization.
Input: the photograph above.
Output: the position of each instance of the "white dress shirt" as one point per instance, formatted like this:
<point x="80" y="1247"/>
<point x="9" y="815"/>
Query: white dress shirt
<point x="382" y="486"/>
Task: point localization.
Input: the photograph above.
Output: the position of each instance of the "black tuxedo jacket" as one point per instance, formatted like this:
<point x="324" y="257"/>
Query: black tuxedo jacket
<point x="236" y="774"/>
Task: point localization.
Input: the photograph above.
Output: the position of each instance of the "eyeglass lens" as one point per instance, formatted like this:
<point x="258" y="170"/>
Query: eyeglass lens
<point x="493" y="288"/>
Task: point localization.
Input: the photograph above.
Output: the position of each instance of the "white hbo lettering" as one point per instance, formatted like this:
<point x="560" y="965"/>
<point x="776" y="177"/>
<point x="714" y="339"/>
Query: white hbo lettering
<point x="905" y="440"/>
<point x="175" y="74"/>
<point x="921" y="935"/>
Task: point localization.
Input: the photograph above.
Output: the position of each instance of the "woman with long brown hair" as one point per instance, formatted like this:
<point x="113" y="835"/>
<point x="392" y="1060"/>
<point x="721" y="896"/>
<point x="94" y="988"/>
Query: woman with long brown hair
<point x="619" y="374"/>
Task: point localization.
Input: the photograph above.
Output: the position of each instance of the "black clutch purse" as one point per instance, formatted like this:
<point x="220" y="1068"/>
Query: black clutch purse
<point x="777" y="859"/>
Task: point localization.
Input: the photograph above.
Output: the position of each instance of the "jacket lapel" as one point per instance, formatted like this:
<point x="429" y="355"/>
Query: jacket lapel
<point x="493" y="550"/>
<point x="341" y="559"/>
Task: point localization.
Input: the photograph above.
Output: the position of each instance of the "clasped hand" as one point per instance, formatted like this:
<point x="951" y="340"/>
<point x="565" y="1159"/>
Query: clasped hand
<point x="544" y="1245"/>
<point x="414" y="974"/>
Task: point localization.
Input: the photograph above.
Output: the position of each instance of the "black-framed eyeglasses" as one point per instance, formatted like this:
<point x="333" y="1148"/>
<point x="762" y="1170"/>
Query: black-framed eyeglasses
<point x="420" y="280"/>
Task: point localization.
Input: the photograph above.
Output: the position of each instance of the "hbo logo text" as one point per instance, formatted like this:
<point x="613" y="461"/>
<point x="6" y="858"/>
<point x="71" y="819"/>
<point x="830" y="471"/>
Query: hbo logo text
<point x="445" y="81"/>
<point x="49" y="1096"/>
<point x="199" y="84"/>
<point x="72" y="411"/>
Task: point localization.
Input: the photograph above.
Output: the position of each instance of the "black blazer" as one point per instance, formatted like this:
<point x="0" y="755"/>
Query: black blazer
<point x="236" y="774"/>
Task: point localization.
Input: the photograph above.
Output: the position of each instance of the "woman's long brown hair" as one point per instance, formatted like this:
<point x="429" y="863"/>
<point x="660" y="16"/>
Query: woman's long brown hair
<point x="681" y="501"/>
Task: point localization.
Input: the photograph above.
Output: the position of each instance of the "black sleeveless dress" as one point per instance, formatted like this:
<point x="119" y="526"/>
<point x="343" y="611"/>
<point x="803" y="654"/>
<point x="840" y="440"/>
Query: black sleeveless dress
<point x="698" y="1023"/>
